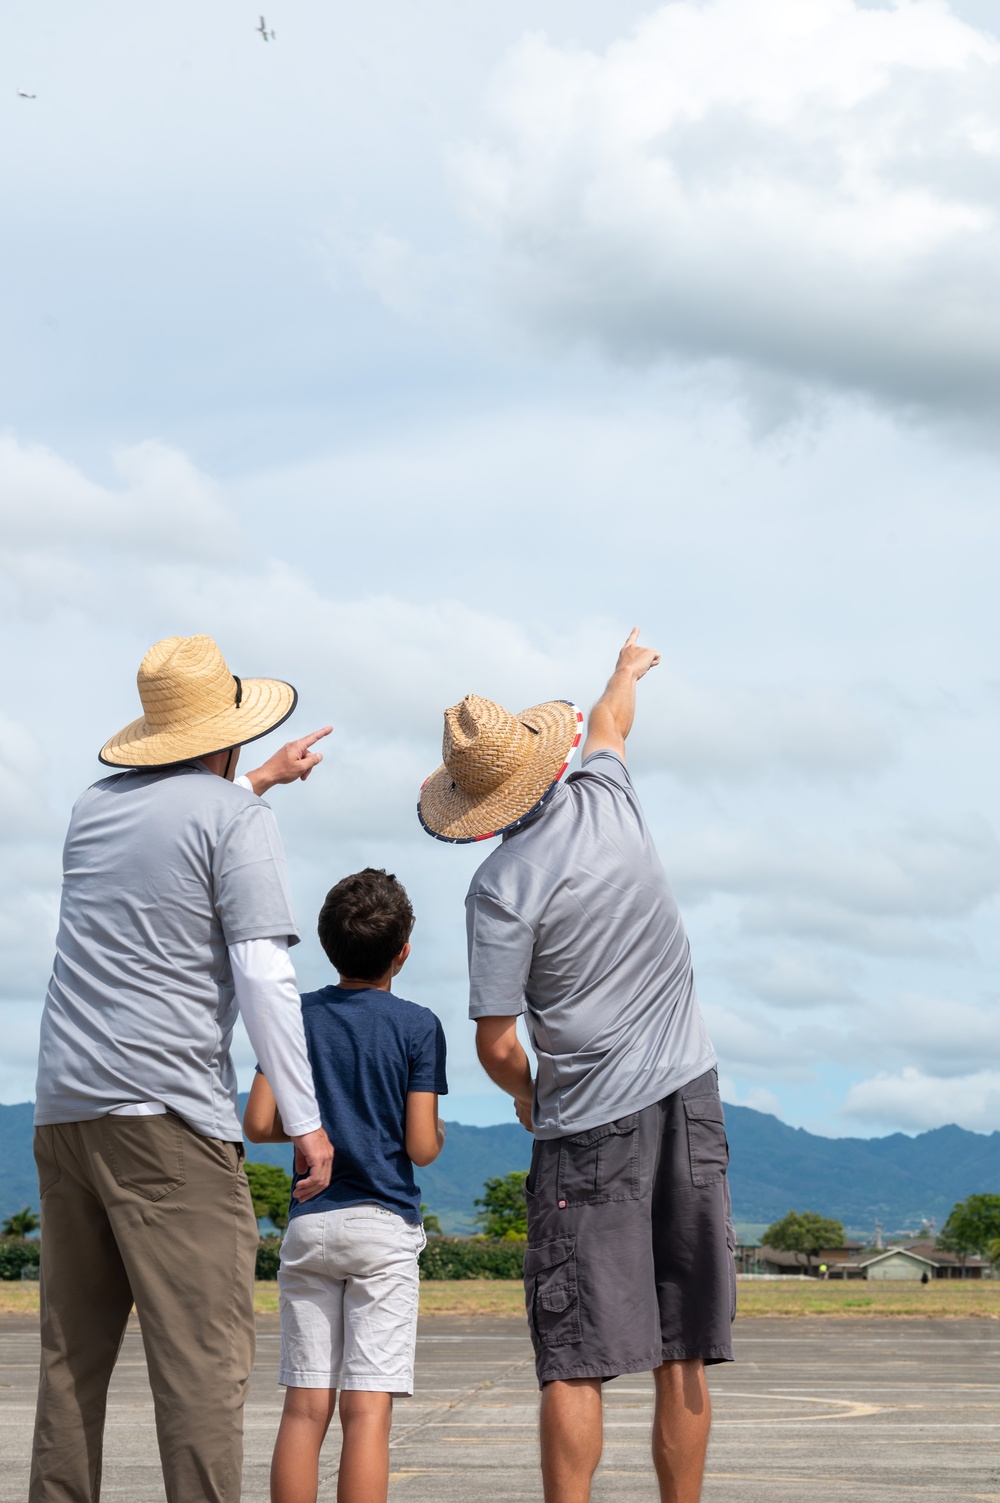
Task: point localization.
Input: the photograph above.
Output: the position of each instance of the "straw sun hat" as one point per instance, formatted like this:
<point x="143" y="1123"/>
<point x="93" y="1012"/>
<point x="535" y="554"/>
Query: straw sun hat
<point x="498" y="768"/>
<point x="193" y="706"/>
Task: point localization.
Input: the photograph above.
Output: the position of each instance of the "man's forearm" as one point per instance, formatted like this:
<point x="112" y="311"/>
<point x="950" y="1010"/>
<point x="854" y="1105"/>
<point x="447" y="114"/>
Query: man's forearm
<point x="503" y="1057"/>
<point x="617" y="703"/>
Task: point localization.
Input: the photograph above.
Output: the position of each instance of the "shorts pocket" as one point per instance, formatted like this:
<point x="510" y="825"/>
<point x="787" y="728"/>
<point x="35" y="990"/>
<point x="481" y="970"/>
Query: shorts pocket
<point x="600" y="1164"/>
<point x="708" y="1147"/>
<point x="145" y="1154"/>
<point x="46" y="1161"/>
<point x="551" y="1293"/>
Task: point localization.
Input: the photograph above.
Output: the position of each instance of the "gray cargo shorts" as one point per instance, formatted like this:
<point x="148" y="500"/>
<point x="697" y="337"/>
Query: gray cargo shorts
<point x="630" y="1241"/>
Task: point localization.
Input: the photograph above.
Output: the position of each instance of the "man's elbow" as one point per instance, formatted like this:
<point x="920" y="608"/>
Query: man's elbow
<point x="253" y="1132"/>
<point x="494" y="1054"/>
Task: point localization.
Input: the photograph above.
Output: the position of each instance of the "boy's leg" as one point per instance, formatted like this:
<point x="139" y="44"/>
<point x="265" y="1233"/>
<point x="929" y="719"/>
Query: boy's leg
<point x="312" y="1350"/>
<point x="571" y="1433"/>
<point x="364" y="1460"/>
<point x="305" y="1420"/>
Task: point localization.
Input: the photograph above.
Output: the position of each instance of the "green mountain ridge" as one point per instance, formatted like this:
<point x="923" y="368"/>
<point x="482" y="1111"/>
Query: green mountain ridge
<point x="897" y="1180"/>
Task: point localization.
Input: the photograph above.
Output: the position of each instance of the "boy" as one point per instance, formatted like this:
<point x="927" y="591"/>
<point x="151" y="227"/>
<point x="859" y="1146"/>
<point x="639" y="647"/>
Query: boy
<point x="349" y="1279"/>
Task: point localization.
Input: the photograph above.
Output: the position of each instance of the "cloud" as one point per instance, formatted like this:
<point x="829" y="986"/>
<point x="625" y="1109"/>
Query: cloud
<point x="806" y="188"/>
<point x="883" y="892"/>
<point x="705" y="735"/>
<point x="914" y="1100"/>
<point x="787" y="979"/>
<point x="163" y="507"/>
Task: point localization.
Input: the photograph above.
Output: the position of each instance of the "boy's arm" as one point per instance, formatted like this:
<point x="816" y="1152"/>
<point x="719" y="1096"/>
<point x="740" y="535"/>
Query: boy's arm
<point x="424" y="1132"/>
<point x="611" y="718"/>
<point x="261" y="1118"/>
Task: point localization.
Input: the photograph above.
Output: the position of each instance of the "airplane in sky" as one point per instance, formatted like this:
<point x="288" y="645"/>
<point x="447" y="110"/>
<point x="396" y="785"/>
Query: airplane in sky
<point x="262" y="28"/>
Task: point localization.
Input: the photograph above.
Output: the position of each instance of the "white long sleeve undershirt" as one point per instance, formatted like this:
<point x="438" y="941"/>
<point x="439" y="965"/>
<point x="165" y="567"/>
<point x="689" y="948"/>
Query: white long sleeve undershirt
<point x="267" y="995"/>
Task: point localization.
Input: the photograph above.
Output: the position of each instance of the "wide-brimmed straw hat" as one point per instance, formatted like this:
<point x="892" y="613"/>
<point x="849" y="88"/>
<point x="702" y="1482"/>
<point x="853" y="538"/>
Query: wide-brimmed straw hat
<point x="498" y="768"/>
<point x="193" y="706"/>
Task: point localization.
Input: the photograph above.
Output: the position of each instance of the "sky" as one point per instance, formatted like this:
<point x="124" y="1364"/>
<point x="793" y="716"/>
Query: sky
<point x="427" y="348"/>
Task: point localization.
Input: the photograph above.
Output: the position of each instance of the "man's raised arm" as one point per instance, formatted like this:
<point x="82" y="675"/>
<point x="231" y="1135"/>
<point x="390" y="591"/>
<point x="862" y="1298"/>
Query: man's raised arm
<point x="611" y="718"/>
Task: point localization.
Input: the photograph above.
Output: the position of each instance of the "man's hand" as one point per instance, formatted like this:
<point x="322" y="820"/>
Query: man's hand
<point x="522" y="1108"/>
<point x="314" y="1160"/>
<point x="611" y="718"/>
<point x="293" y="762"/>
<point x="635" y="660"/>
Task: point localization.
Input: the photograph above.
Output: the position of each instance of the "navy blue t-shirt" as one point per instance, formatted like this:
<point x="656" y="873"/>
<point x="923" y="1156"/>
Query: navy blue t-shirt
<point x="367" y="1049"/>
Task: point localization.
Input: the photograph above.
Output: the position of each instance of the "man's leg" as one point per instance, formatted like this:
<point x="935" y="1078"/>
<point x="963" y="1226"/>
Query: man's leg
<point x="571" y="1438"/>
<point x="681" y="1422"/>
<point x="85" y="1304"/>
<point x="181" y="1211"/>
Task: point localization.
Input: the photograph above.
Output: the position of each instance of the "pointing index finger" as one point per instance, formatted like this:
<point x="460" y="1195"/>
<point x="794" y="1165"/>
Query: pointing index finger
<point x="315" y="736"/>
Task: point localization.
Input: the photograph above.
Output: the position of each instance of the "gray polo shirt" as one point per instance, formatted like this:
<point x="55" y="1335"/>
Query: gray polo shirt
<point x="572" y="922"/>
<point x="162" y="871"/>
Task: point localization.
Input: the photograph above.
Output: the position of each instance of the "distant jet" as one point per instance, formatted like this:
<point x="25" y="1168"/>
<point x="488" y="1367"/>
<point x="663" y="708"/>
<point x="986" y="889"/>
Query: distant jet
<point x="262" y="28"/>
<point x="23" y="94"/>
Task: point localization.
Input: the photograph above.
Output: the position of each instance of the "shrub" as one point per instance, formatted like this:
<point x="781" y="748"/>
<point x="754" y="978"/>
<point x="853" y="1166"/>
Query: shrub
<point x="268" y="1257"/>
<point x="15" y="1254"/>
<point x="471" y="1258"/>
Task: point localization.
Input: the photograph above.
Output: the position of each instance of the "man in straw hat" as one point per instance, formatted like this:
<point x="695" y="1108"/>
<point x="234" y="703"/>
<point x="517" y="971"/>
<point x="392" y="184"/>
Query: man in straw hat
<point x="175" y="916"/>
<point x="571" y="922"/>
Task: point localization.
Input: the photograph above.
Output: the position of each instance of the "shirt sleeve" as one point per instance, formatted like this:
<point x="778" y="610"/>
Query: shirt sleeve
<point x="267" y="995"/>
<point x="500" y="950"/>
<point x="250" y="876"/>
<point x="608" y="765"/>
<point x="428" y="1056"/>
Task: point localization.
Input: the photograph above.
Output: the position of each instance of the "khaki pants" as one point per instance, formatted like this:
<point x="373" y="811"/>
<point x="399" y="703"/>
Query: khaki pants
<point x="143" y="1209"/>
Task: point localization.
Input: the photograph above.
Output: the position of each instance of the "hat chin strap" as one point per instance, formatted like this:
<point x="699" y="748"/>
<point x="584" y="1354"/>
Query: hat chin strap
<point x="229" y="762"/>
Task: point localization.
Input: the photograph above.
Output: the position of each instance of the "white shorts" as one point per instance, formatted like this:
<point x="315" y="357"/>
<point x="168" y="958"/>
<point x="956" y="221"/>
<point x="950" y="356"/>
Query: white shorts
<point x="349" y="1293"/>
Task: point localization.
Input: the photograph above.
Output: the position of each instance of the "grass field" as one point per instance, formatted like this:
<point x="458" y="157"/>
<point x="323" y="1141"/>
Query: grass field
<point x="850" y="1301"/>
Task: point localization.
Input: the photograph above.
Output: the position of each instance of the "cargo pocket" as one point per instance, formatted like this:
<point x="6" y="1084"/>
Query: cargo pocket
<point x="708" y="1147"/>
<point x="145" y="1154"/>
<point x="600" y="1164"/>
<point x="551" y="1293"/>
<point x="45" y="1159"/>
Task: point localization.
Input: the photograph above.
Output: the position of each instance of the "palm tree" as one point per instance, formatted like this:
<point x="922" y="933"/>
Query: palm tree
<point x="21" y="1223"/>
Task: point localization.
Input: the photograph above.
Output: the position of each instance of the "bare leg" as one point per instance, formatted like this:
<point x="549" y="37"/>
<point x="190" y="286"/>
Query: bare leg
<point x="305" y="1420"/>
<point x="572" y="1438"/>
<point x="681" y="1423"/>
<point x="364" y="1461"/>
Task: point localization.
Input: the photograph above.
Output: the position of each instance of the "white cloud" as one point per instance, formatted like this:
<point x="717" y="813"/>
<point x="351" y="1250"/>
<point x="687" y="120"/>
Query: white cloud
<point x="880" y="891"/>
<point x="789" y="979"/>
<point x="704" y="735"/>
<point x="808" y="188"/>
<point x="163" y="507"/>
<point x="914" y="1100"/>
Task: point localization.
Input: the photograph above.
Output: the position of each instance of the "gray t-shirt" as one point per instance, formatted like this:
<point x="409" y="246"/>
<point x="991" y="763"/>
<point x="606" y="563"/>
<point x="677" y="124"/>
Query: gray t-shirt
<point x="162" y="871"/>
<point x="572" y="921"/>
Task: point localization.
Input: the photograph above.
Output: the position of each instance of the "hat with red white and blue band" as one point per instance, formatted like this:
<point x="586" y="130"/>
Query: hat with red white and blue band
<point x="499" y="769"/>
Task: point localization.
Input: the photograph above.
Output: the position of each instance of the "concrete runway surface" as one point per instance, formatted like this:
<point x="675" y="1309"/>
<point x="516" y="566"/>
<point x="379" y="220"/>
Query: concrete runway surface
<point x="900" y="1411"/>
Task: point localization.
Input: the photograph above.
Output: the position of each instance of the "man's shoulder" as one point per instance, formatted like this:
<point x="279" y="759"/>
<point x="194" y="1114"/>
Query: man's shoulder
<point x="605" y="764"/>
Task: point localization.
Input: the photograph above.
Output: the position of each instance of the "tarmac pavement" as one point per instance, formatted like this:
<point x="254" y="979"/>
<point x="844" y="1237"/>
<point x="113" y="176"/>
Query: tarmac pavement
<point x="898" y="1411"/>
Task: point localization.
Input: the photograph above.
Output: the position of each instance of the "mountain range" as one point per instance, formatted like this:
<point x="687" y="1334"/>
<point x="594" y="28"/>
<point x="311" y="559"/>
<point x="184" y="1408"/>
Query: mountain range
<point x="897" y="1180"/>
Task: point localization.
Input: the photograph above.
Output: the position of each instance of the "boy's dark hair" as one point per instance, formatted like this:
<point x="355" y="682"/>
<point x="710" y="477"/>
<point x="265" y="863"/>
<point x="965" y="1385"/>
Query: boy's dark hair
<point x="364" y="923"/>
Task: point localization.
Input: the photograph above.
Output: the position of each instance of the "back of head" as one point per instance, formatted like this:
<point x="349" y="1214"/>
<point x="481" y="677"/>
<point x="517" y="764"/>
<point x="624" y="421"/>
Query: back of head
<point x="364" y="923"/>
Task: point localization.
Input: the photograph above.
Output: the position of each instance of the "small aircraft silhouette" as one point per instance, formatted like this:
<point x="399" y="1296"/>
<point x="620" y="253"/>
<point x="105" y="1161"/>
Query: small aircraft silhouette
<point x="262" y="28"/>
<point x="23" y="94"/>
